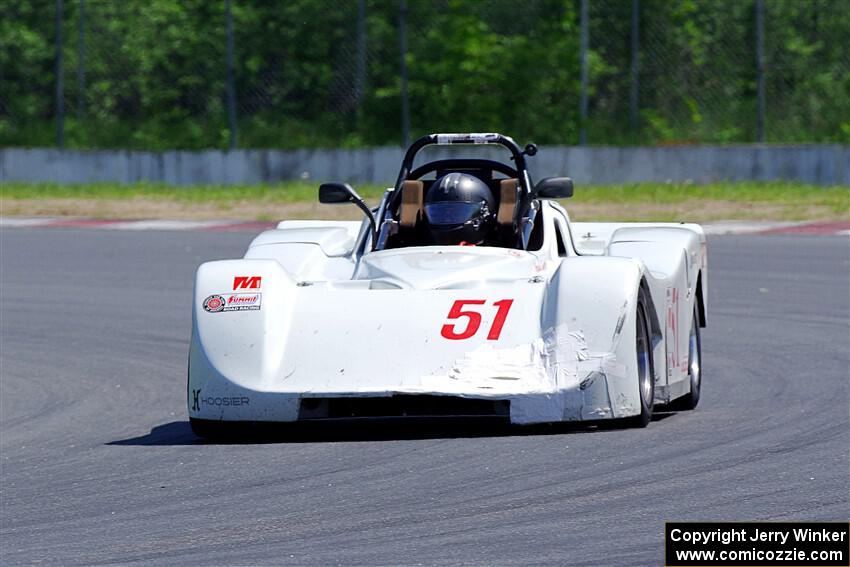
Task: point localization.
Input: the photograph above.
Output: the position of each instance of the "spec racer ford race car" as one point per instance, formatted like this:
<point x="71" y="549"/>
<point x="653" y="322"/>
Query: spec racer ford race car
<point x="466" y="292"/>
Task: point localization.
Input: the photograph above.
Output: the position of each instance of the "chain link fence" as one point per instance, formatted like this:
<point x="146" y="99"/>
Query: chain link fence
<point x="194" y="74"/>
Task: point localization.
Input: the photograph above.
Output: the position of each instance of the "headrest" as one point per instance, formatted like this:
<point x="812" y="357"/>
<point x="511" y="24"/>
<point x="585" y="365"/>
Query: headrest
<point x="509" y="189"/>
<point x="412" y="198"/>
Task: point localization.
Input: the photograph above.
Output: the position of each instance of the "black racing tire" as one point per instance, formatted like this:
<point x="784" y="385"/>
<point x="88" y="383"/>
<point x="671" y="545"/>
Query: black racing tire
<point x="645" y="367"/>
<point x="690" y="400"/>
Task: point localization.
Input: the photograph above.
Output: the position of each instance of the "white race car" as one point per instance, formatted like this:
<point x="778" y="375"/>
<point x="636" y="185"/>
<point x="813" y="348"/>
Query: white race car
<point x="466" y="293"/>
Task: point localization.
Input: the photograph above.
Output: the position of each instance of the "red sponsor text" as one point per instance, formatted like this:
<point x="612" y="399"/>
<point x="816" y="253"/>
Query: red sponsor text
<point x="247" y="282"/>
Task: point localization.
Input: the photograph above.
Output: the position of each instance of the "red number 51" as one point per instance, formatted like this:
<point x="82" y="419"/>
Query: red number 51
<point x="453" y="333"/>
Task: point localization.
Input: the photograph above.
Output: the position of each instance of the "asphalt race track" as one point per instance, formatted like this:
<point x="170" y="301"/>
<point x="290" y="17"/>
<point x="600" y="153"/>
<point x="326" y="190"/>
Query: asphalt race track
<point x="98" y="465"/>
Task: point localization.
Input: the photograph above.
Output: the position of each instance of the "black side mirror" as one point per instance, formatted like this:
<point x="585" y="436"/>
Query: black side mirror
<point x="554" y="188"/>
<point x="335" y="193"/>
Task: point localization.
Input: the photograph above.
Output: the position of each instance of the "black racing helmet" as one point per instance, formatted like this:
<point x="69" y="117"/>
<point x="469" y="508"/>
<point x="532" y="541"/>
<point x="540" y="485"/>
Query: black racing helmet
<point x="460" y="209"/>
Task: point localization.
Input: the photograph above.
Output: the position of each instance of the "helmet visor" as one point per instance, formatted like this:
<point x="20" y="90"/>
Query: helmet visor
<point x="453" y="213"/>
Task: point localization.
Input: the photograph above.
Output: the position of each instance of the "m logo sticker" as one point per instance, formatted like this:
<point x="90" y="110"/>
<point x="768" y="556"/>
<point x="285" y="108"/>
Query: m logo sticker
<point x="247" y="282"/>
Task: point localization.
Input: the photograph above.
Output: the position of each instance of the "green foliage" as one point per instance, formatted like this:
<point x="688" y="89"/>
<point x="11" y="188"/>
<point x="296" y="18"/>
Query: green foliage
<point x="155" y="79"/>
<point x="836" y="198"/>
<point x="287" y="192"/>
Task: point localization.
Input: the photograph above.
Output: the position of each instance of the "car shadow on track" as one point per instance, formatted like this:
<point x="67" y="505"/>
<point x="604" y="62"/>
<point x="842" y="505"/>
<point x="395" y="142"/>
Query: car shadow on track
<point x="174" y="433"/>
<point x="180" y="432"/>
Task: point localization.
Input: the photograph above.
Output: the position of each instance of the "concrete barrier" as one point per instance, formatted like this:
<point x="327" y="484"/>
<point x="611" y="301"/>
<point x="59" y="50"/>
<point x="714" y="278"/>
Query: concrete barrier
<point x="818" y="164"/>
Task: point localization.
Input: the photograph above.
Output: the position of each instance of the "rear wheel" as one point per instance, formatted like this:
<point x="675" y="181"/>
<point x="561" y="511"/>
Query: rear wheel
<point x="691" y="399"/>
<point x="645" y="374"/>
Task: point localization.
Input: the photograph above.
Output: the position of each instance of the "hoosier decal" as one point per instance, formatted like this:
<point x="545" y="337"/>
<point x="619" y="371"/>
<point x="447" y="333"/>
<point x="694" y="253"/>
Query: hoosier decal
<point x="198" y="400"/>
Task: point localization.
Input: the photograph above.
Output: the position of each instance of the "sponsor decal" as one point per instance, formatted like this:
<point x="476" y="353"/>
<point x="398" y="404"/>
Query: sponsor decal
<point x="674" y="357"/>
<point x="243" y="302"/>
<point x="233" y="302"/>
<point x="226" y="401"/>
<point x="214" y="303"/>
<point x="247" y="282"/>
<point x="217" y="401"/>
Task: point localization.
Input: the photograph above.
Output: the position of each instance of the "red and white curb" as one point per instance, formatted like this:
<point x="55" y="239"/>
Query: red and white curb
<point x="714" y="228"/>
<point x="72" y="222"/>
<point x="751" y="227"/>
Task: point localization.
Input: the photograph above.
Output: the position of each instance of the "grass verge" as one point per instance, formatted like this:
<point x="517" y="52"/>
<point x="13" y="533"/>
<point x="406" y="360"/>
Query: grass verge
<point x="773" y="201"/>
